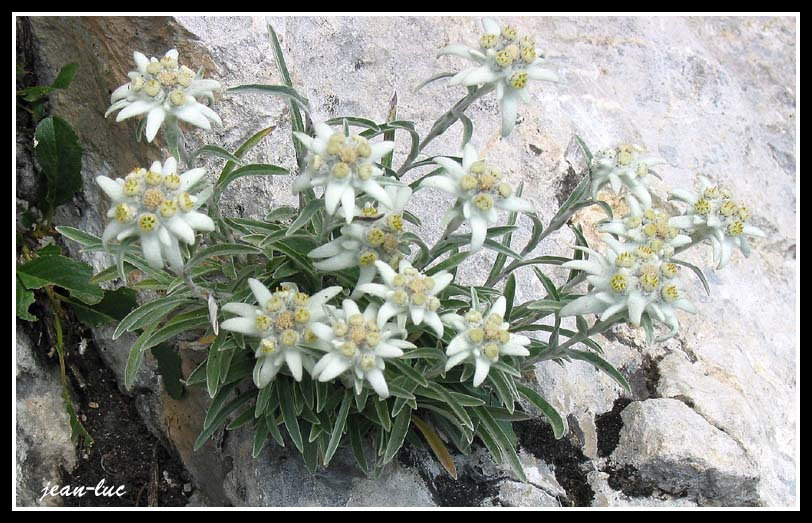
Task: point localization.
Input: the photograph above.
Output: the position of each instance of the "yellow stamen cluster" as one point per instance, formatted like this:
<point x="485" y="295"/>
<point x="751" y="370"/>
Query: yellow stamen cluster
<point x="504" y="58"/>
<point x="185" y="201"/>
<point x="153" y="198"/>
<point x="132" y="187"/>
<point x="172" y="181"/>
<point x="624" y="259"/>
<point x="735" y="228"/>
<point x="147" y="222"/>
<point x="165" y="74"/>
<point x="262" y="322"/>
<point x="483" y="201"/>
<point x="367" y="258"/>
<point x="152" y="87"/>
<point x="669" y="270"/>
<point x="267" y="346"/>
<point x="168" y="208"/>
<point x="728" y="208"/>
<point x="518" y="80"/>
<point x="491" y="350"/>
<point x="154" y="178"/>
<point x="369" y="211"/>
<point x="649" y="280"/>
<point x="702" y="206"/>
<point x="177" y="97"/>
<point x="670" y="293"/>
<point x="619" y="283"/>
<point x="347" y="153"/>
<point x="412" y="287"/>
<point x="356" y="334"/>
<point x="509" y="33"/>
<point x="488" y="41"/>
<point x="289" y="337"/>
<point x="124" y="213"/>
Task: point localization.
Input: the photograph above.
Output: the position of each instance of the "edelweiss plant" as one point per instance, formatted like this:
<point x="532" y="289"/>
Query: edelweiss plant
<point x="322" y="327"/>
<point x="155" y="206"/>
<point x="164" y="91"/>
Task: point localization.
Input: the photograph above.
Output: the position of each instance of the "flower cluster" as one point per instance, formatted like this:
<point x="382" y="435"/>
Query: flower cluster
<point x="507" y="61"/>
<point x="154" y="205"/>
<point x="629" y="280"/>
<point x="624" y="166"/>
<point x="651" y="229"/>
<point x="345" y="166"/>
<point x="282" y="322"/>
<point x="480" y="190"/>
<point x="363" y="243"/>
<point x="483" y="338"/>
<point x="161" y="88"/>
<point x="355" y="342"/>
<point x="407" y="290"/>
<point x="714" y="214"/>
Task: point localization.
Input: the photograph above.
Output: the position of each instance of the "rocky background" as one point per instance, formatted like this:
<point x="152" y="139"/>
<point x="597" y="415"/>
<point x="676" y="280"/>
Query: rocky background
<point x="712" y="420"/>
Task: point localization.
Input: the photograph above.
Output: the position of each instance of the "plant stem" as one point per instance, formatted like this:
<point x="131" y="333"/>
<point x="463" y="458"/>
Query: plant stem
<point x="452" y="115"/>
<point x="561" y="350"/>
<point x="452" y="226"/>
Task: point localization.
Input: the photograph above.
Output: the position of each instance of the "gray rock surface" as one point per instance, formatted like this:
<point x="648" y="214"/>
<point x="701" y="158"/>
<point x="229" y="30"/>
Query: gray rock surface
<point x="43" y="432"/>
<point x="716" y="95"/>
<point x="673" y="446"/>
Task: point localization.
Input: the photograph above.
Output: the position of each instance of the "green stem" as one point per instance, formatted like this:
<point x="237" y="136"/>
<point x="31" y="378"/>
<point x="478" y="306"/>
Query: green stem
<point x="451" y="116"/>
<point x="76" y="425"/>
<point x="452" y="226"/>
<point x="561" y="350"/>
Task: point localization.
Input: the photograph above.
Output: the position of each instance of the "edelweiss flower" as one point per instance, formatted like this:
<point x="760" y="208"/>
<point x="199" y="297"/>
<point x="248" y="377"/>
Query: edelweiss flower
<point x="624" y="166"/>
<point x="155" y="205"/>
<point x="716" y="216"/>
<point x="409" y="291"/>
<point x="357" y="343"/>
<point x="479" y="189"/>
<point x="507" y="61"/>
<point x="344" y="166"/>
<point x="363" y="243"/>
<point x="651" y="229"/>
<point x="160" y="88"/>
<point x="483" y="338"/>
<point x="282" y="321"/>
<point x="631" y="279"/>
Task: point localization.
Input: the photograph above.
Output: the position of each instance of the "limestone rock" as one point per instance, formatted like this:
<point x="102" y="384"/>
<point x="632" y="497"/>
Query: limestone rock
<point x="43" y="431"/>
<point x="711" y="94"/>
<point x="673" y="446"/>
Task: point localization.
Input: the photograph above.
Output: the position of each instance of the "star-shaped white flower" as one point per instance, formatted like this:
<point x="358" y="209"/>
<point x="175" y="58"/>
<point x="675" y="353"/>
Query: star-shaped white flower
<point x="480" y="190"/>
<point x="629" y="280"/>
<point x="409" y="291"/>
<point x="282" y="322"/>
<point x="714" y="215"/>
<point x="355" y="343"/>
<point x="505" y="60"/>
<point x="159" y="88"/>
<point x="344" y="166"/>
<point x="626" y="167"/>
<point x="483" y="339"/>
<point x="363" y="242"/>
<point x="649" y="228"/>
<point x="154" y="205"/>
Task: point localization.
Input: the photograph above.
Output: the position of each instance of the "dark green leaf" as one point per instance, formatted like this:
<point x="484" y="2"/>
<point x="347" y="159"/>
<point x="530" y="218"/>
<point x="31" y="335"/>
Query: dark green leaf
<point x="24" y="299"/>
<point x="64" y="272"/>
<point x="557" y="422"/>
<point x="338" y="428"/>
<point x="170" y="369"/>
<point x="397" y="435"/>
<point x="60" y="159"/>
